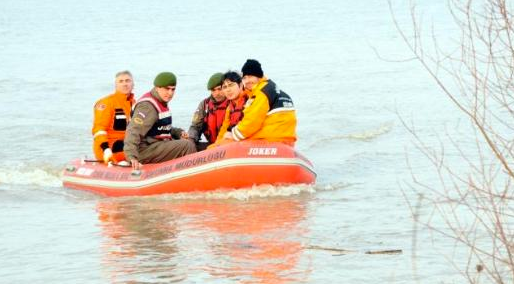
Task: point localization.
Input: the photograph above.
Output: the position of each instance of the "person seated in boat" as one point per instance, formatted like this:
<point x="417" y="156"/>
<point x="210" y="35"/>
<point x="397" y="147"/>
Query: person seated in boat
<point x="269" y="113"/>
<point x="110" y="119"/>
<point x="232" y="88"/>
<point x="209" y="114"/>
<point x="150" y="136"/>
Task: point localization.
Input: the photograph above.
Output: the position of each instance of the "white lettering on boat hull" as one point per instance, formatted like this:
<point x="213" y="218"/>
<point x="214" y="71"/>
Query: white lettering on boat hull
<point x="262" y="151"/>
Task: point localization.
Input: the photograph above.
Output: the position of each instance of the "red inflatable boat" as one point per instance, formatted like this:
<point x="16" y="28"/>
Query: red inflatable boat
<point x="231" y="166"/>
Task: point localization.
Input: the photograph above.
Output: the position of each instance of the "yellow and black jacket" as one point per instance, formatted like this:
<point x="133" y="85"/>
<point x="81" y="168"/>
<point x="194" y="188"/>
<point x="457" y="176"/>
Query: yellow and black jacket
<point x="269" y="114"/>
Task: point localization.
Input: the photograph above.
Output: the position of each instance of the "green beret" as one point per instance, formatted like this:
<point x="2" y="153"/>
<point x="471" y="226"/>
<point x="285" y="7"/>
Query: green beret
<point x="215" y="80"/>
<point x="165" y="79"/>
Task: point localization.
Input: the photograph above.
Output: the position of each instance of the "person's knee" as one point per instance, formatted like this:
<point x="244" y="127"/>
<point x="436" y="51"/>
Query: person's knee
<point x="189" y="146"/>
<point x="201" y="146"/>
<point x="184" y="147"/>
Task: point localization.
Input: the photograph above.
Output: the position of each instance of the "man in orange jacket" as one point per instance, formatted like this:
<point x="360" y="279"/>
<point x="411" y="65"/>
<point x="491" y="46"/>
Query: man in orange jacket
<point x="111" y="117"/>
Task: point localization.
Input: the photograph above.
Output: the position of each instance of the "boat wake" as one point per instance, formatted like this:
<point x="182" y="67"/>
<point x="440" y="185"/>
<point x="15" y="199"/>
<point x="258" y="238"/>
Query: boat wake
<point x="331" y="186"/>
<point x="23" y="174"/>
<point x="260" y="191"/>
<point x="366" y="135"/>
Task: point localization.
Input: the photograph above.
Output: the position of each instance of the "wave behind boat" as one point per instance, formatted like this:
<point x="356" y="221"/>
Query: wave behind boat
<point x="366" y="135"/>
<point x="371" y="133"/>
<point x="260" y="191"/>
<point x="24" y="174"/>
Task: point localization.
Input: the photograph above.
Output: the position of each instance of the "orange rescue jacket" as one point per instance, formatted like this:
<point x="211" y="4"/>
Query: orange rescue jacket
<point x="233" y="115"/>
<point x="111" y="117"/>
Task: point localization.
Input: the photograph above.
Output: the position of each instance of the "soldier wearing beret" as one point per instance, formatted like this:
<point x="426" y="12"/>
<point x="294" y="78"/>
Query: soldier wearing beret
<point x="209" y="114"/>
<point x="150" y="136"/>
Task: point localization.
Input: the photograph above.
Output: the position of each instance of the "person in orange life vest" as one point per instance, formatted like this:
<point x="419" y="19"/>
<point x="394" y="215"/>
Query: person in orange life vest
<point x="111" y="116"/>
<point x="233" y="89"/>
<point x="269" y="113"/>
<point x="209" y="114"/>
<point x="150" y="136"/>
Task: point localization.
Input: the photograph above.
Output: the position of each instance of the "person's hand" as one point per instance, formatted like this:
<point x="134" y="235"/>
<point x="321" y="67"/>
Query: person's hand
<point x="135" y="164"/>
<point x="228" y="135"/>
<point x="107" y="155"/>
<point x="184" y="135"/>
